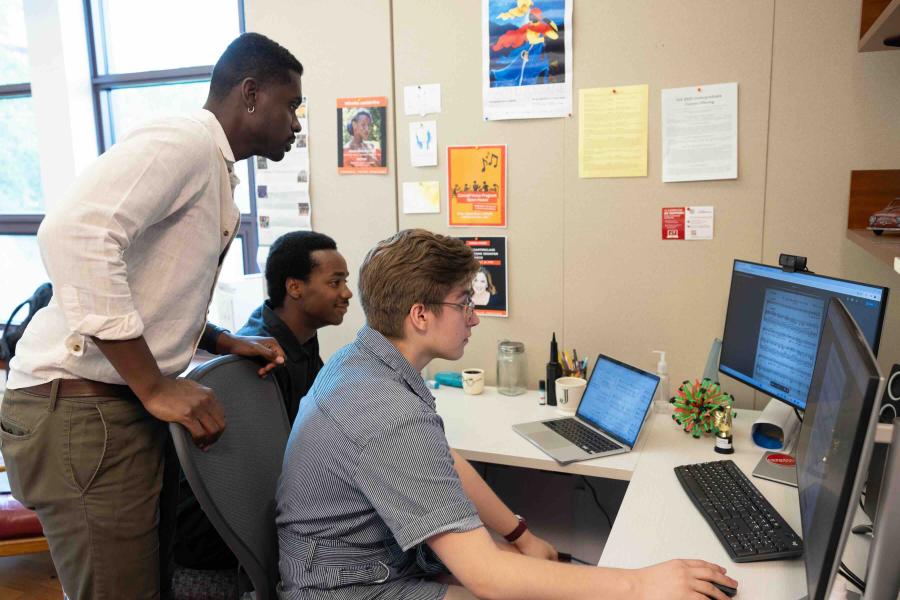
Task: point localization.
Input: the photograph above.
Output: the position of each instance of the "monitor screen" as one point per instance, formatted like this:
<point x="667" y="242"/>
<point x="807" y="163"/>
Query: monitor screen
<point x="839" y="420"/>
<point x="617" y="398"/>
<point x="773" y="323"/>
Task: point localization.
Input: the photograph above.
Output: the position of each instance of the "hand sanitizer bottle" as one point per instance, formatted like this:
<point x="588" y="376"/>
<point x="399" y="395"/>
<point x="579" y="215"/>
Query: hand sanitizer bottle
<point x="661" y="400"/>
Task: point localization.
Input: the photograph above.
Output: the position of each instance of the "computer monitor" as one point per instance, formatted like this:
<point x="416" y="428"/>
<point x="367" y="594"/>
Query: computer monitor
<point x="773" y="323"/>
<point x="836" y="440"/>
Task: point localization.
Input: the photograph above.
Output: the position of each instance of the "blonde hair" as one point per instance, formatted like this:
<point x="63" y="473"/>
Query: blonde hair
<point x="414" y="266"/>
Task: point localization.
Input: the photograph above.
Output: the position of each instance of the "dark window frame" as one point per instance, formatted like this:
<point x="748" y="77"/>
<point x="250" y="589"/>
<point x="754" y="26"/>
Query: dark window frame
<point x="101" y="84"/>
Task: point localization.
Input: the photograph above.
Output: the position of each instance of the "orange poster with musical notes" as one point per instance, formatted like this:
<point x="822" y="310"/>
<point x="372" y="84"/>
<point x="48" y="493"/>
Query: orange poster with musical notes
<point x="476" y="186"/>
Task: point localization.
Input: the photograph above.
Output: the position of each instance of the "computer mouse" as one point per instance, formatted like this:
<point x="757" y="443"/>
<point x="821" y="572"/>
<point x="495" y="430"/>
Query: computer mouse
<point x="725" y="589"/>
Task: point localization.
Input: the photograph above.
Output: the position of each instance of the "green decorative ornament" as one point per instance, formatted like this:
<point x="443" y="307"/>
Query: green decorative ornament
<point x="695" y="405"/>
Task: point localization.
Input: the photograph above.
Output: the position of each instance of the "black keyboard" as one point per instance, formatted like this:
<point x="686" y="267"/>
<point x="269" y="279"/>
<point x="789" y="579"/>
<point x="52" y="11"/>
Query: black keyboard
<point x="584" y="437"/>
<point x="743" y="520"/>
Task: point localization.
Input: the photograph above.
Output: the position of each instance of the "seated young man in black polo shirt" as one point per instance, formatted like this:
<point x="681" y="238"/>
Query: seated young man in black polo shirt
<point x="306" y="279"/>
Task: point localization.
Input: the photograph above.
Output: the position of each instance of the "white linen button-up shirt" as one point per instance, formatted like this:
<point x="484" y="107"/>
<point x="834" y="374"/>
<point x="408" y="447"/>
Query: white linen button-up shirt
<point x="133" y="249"/>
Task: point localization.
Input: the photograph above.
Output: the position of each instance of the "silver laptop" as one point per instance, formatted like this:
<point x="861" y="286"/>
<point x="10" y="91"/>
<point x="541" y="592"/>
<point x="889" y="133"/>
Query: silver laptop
<point x="608" y="420"/>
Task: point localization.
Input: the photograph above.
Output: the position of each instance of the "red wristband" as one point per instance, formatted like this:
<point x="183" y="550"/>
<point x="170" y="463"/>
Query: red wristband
<point x="518" y="531"/>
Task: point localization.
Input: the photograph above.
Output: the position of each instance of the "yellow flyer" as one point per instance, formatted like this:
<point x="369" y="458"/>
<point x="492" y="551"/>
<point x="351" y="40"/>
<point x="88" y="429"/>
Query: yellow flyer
<point x="476" y="185"/>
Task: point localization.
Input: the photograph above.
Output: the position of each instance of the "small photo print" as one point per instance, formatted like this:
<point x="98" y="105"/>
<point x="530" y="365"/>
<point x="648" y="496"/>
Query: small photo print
<point x="262" y="191"/>
<point x="264" y="221"/>
<point x="303" y="176"/>
<point x="301" y="141"/>
<point x="303" y="209"/>
<point x="362" y="135"/>
<point x="261" y="162"/>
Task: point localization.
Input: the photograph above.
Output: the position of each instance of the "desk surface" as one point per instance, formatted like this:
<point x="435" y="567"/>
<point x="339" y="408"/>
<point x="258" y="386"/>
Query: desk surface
<point x="480" y="428"/>
<point x="657" y="521"/>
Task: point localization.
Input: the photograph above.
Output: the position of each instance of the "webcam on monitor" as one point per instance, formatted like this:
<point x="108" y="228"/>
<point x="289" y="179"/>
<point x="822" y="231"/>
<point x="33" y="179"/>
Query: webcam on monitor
<point x="792" y="263"/>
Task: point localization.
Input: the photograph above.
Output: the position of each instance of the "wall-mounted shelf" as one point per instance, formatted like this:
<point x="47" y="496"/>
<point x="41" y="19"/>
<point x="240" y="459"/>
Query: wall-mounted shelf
<point x="880" y="20"/>
<point x="885" y="248"/>
<point x="871" y="191"/>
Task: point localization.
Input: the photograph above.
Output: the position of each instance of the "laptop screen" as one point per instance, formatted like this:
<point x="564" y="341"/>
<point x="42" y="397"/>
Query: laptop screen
<point x="617" y="398"/>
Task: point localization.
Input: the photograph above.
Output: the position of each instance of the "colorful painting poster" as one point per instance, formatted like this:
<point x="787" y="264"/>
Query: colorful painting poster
<point x="490" y="285"/>
<point x="527" y="59"/>
<point x="362" y="135"/>
<point x="476" y="186"/>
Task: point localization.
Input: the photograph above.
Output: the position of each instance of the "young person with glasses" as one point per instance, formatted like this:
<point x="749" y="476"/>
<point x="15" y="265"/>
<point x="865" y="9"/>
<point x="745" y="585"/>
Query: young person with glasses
<point x="373" y="503"/>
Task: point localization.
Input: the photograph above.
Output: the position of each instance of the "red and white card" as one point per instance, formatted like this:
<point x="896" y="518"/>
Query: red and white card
<point x="687" y="222"/>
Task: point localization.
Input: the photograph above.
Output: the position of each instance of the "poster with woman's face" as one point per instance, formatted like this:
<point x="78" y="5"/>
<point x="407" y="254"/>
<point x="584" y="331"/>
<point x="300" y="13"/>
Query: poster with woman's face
<point x="490" y="285"/>
<point x="362" y="135"/>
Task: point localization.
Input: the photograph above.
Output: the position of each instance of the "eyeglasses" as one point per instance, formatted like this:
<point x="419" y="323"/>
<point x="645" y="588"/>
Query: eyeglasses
<point x="467" y="307"/>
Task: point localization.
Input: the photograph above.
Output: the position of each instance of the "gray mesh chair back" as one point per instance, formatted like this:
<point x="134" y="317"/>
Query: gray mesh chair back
<point x="235" y="480"/>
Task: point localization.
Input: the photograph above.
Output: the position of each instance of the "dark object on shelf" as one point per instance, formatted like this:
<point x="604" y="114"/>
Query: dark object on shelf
<point x="886" y="219"/>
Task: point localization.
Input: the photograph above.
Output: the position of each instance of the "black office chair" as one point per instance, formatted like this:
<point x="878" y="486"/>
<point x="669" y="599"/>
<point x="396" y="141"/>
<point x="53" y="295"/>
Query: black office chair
<point x="235" y="480"/>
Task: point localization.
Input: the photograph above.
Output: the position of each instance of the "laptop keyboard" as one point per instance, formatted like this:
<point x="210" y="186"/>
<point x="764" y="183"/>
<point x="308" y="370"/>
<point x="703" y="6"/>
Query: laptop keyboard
<point x="584" y="437"/>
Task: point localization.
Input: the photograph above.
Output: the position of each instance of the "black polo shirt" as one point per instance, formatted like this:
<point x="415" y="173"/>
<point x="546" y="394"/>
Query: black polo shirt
<point x="301" y="361"/>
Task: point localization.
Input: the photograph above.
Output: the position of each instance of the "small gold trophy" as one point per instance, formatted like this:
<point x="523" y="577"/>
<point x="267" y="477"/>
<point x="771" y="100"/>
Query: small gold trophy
<point x="722" y="424"/>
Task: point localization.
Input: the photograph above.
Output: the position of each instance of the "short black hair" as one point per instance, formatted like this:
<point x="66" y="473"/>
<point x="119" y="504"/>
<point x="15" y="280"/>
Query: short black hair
<point x="291" y="256"/>
<point x="252" y="55"/>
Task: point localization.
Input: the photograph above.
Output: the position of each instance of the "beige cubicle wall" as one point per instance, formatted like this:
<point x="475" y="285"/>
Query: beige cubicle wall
<point x="586" y="259"/>
<point x="833" y="111"/>
<point x="345" y="49"/>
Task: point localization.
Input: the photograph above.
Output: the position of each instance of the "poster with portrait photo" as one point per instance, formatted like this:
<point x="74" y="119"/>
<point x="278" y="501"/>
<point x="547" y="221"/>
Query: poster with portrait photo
<point x="490" y="286"/>
<point x="362" y="135"/>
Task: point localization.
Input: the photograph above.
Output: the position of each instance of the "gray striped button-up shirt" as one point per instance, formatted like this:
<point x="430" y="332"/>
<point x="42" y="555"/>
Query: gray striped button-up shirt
<point x="367" y="477"/>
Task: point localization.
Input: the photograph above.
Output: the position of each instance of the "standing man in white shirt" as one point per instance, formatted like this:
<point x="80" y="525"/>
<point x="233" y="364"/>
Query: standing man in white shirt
<point x="133" y="252"/>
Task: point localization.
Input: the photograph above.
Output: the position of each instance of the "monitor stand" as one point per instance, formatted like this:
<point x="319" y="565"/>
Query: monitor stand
<point x="780" y="465"/>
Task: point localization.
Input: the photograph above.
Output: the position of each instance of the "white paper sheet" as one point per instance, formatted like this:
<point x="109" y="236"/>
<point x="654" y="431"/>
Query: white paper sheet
<point x="282" y="188"/>
<point x="422" y="99"/>
<point x="423" y="143"/>
<point x="698" y="222"/>
<point x="421" y="197"/>
<point x="700" y="133"/>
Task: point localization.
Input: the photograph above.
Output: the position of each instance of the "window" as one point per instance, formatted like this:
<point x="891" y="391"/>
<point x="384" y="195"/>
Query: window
<point x="21" y="271"/>
<point x="155" y="58"/>
<point x="21" y="194"/>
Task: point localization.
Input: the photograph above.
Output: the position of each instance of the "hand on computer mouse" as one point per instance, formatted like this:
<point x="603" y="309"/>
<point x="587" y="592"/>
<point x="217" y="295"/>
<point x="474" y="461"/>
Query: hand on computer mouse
<point x="688" y="579"/>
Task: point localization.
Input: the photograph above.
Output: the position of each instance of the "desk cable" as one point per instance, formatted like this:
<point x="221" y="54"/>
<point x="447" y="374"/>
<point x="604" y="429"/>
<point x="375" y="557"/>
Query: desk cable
<point x="597" y="500"/>
<point x="852" y="577"/>
<point x="565" y="557"/>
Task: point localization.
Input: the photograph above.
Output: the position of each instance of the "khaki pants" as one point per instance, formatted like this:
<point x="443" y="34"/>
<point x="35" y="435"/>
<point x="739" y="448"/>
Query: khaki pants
<point x="92" y="469"/>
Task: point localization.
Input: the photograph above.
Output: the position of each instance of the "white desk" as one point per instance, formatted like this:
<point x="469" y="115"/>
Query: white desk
<point x="657" y="520"/>
<point x="480" y="428"/>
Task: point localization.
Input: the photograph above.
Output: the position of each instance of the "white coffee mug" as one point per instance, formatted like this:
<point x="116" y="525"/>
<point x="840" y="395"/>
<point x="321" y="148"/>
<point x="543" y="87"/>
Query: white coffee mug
<point x="473" y="381"/>
<point x="569" y="391"/>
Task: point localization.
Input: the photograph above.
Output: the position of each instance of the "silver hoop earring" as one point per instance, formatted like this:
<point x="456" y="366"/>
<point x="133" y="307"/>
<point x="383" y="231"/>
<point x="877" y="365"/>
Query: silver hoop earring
<point x="251" y="109"/>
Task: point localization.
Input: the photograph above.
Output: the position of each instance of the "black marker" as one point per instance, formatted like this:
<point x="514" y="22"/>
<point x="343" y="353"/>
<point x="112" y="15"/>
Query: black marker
<point x="554" y="372"/>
